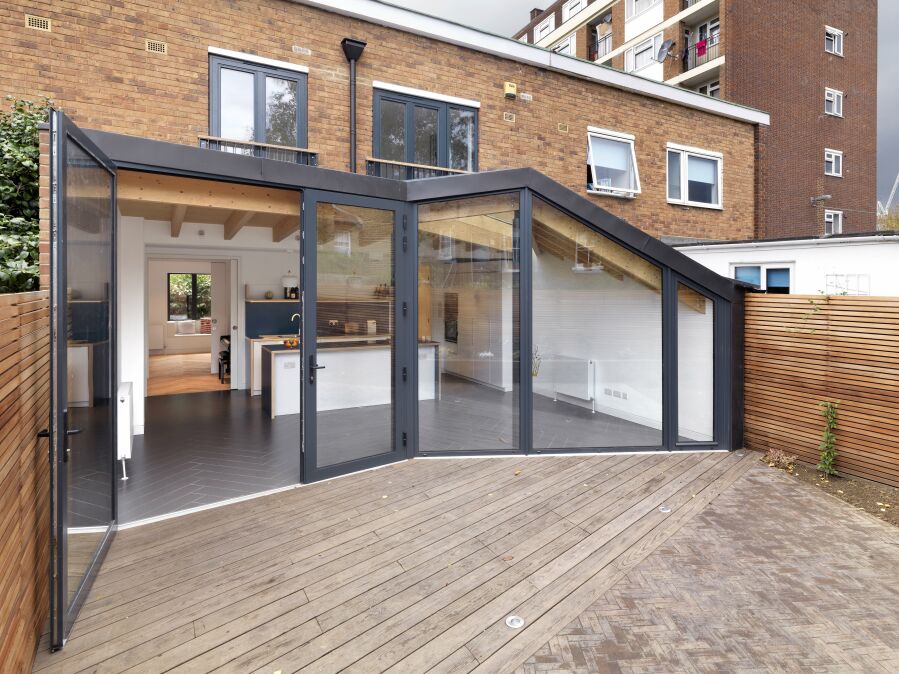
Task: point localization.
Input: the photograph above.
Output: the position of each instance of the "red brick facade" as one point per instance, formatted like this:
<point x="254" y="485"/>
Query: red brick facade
<point x="94" y="65"/>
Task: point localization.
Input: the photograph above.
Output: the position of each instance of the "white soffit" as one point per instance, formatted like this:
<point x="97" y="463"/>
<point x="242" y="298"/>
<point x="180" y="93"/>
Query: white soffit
<point x="506" y="47"/>
<point x="252" y="58"/>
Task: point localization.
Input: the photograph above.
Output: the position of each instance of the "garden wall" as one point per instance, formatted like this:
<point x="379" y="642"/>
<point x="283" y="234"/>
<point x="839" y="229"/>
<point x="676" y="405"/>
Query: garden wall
<point x="802" y="350"/>
<point x="24" y="476"/>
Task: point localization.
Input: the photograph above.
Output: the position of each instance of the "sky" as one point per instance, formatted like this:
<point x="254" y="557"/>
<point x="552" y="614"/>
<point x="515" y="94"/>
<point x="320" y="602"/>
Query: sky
<point x="506" y="16"/>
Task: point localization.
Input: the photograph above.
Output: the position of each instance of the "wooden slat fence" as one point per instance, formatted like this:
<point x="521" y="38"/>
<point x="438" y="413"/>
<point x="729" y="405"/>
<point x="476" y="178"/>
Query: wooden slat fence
<point x="24" y="476"/>
<point x="802" y="350"/>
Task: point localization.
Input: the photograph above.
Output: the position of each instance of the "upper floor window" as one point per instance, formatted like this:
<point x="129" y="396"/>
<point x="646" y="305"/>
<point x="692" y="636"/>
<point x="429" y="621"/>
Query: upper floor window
<point x="641" y="55"/>
<point x="712" y="89"/>
<point x="833" y="163"/>
<point x="833" y="41"/>
<point x="257" y="103"/>
<point x="694" y="176"/>
<point x="572" y="7"/>
<point x="833" y="222"/>
<point x="545" y="27"/>
<point x="566" y="46"/>
<point x="425" y="131"/>
<point x="634" y="7"/>
<point x="833" y="102"/>
<point x="611" y="163"/>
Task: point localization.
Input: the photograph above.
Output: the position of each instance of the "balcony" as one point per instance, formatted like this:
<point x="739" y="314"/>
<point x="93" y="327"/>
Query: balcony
<point x="398" y="170"/>
<point x="702" y="52"/>
<point x="293" y="155"/>
<point x="600" y="47"/>
<point x="702" y="61"/>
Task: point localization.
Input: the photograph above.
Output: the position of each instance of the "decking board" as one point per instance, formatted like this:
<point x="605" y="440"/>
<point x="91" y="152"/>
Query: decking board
<point x="334" y="576"/>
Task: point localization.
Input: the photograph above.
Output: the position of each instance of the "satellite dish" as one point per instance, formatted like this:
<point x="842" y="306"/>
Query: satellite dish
<point x="664" y="50"/>
<point x="608" y="19"/>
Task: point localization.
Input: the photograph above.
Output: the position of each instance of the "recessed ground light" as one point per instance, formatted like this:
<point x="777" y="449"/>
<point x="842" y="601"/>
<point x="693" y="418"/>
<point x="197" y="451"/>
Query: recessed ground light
<point x="515" y="622"/>
<point x="665" y="509"/>
<point x="741" y="453"/>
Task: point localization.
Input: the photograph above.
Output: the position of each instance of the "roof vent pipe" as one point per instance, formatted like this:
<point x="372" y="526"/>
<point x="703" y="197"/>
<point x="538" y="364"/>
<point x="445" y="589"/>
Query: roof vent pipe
<point x="352" y="49"/>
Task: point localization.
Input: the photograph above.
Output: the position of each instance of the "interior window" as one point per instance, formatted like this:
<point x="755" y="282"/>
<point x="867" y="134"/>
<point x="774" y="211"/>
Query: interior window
<point x="190" y="296"/>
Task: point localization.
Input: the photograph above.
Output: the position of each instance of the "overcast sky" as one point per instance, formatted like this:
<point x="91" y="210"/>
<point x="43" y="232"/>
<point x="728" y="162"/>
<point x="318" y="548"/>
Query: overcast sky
<point x="506" y="16"/>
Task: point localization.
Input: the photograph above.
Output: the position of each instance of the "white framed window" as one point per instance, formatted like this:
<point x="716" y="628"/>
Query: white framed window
<point x="833" y="102"/>
<point x="847" y="284"/>
<point x="634" y="7"/>
<point x="775" y="278"/>
<point x="545" y="27"/>
<point x="833" y="222"/>
<point x="643" y="54"/>
<point x="695" y="176"/>
<point x="833" y="163"/>
<point x="833" y="41"/>
<point x="572" y="7"/>
<point x="566" y="47"/>
<point x="712" y="89"/>
<point x="343" y="243"/>
<point x="611" y="163"/>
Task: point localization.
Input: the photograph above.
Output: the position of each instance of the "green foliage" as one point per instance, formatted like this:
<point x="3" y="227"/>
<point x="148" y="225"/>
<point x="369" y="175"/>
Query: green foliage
<point x="828" y="444"/>
<point x="19" y="171"/>
<point x="182" y="301"/>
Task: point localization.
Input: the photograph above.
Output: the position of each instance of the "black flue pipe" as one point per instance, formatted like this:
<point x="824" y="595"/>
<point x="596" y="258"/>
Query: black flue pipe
<point x="352" y="49"/>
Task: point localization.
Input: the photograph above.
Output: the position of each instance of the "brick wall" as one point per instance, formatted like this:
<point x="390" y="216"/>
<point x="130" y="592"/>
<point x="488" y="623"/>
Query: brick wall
<point x="785" y="74"/>
<point x="94" y="66"/>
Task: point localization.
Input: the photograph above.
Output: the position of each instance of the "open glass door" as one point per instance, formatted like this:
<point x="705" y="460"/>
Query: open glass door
<point x="356" y="334"/>
<point x="82" y="338"/>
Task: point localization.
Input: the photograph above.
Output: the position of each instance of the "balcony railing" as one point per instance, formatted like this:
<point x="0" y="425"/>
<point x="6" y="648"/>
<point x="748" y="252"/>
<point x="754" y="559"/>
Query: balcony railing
<point x="702" y="52"/>
<point x="690" y="3"/>
<point x="294" y="155"/>
<point x="600" y="47"/>
<point x="398" y="170"/>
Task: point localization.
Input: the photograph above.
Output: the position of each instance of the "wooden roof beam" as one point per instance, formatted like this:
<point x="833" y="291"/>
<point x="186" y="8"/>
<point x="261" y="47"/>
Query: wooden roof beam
<point x="286" y="226"/>
<point x="236" y="222"/>
<point x="178" y="213"/>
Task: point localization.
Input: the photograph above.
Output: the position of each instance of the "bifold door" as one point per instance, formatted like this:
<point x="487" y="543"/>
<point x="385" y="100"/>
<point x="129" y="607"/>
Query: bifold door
<point x="82" y="320"/>
<point x="357" y="335"/>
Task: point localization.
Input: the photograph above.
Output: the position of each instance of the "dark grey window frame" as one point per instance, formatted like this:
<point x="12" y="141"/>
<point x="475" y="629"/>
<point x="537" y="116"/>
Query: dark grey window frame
<point x="443" y="138"/>
<point x="160" y="157"/>
<point x="260" y="72"/>
<point x="192" y="314"/>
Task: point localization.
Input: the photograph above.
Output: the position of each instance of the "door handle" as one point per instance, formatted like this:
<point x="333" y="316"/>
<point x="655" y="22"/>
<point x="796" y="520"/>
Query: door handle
<point x="73" y="431"/>
<point x="43" y="434"/>
<point x="313" y="366"/>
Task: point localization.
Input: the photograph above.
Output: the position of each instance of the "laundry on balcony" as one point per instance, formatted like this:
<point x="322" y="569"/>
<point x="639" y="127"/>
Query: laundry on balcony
<point x="701" y="48"/>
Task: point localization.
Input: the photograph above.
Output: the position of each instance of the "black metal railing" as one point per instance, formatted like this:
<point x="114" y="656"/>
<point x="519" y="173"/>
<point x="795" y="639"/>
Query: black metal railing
<point x="690" y="3"/>
<point x="600" y="47"/>
<point x="701" y="52"/>
<point x="397" y="170"/>
<point x="294" y="155"/>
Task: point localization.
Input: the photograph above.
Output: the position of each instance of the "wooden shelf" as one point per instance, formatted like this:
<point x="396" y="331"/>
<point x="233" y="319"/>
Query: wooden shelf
<point x="273" y="301"/>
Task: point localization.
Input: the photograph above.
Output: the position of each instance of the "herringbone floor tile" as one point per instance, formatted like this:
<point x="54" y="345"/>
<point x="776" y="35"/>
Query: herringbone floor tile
<point x="772" y="577"/>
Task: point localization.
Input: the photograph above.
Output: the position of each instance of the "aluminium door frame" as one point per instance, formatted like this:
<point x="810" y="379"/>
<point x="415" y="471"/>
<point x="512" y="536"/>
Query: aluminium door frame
<point x="403" y="382"/>
<point x="63" y="611"/>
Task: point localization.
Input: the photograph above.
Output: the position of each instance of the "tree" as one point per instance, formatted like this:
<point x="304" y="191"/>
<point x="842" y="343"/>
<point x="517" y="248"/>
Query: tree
<point x="19" y="171"/>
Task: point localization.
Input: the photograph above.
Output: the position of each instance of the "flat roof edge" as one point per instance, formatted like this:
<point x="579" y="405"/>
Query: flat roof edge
<point x="410" y="21"/>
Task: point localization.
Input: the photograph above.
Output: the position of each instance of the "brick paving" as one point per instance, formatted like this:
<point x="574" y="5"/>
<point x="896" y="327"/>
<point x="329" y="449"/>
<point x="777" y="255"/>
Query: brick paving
<point x="772" y="576"/>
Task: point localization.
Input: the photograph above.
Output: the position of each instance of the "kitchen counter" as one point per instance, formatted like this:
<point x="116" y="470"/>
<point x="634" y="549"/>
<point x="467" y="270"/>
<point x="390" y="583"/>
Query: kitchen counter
<point x="281" y="372"/>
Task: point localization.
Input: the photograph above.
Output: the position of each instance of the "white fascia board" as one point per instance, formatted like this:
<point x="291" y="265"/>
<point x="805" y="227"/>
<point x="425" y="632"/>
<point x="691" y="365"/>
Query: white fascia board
<point x="422" y="93"/>
<point x="252" y="58"/>
<point x="795" y="243"/>
<point x="406" y="20"/>
<point x="575" y="22"/>
<point x="610" y="134"/>
<point x="694" y="150"/>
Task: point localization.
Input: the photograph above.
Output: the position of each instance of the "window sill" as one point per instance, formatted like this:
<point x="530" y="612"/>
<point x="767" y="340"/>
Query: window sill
<point x="833" y="175"/>
<point x="831" y="114"/>
<point x="612" y="193"/>
<point x="694" y="204"/>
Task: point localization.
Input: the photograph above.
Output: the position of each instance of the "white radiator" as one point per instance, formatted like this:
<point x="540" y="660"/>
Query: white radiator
<point x="125" y="421"/>
<point x="574" y="377"/>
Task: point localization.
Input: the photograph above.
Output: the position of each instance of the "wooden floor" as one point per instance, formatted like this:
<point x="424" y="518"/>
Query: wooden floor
<point x="411" y="568"/>
<point x="182" y="373"/>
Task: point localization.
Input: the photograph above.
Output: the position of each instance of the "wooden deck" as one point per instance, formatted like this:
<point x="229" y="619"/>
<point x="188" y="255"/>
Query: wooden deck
<point x="412" y="568"/>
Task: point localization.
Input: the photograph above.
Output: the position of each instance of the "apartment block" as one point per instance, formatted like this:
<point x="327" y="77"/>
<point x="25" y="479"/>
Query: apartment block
<point x="812" y="65"/>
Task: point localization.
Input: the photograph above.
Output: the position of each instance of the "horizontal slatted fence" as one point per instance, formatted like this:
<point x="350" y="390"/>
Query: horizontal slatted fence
<point x="24" y="476"/>
<point x="802" y="350"/>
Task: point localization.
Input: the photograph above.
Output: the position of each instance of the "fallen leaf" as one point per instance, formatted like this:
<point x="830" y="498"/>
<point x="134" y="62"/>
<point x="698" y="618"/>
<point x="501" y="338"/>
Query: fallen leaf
<point x="508" y="558"/>
<point x="839" y="491"/>
<point x="518" y="472"/>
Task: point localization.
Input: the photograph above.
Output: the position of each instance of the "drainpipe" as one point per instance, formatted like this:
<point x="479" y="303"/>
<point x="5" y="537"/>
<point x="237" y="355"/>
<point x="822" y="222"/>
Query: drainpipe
<point x="352" y="49"/>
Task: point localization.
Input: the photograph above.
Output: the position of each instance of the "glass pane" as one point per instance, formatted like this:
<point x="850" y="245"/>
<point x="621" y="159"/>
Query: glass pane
<point x="695" y="366"/>
<point x="777" y="280"/>
<point x="702" y="186"/>
<point x="355" y="333"/>
<point x="462" y="139"/>
<point x="392" y="140"/>
<point x="597" y="338"/>
<point x="674" y="189"/>
<point x="88" y="222"/>
<point x="468" y="329"/>
<point x="613" y="164"/>
<point x="425" y="136"/>
<point x="236" y="105"/>
<point x="280" y="111"/>
<point x="751" y="274"/>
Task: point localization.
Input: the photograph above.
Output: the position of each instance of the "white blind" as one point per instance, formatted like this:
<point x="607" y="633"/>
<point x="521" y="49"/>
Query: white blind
<point x="702" y="170"/>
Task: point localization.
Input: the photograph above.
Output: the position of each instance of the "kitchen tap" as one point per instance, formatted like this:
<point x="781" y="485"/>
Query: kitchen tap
<point x="299" y="323"/>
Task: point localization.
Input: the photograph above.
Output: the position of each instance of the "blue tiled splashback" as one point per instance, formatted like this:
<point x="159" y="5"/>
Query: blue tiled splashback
<point x="271" y="318"/>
